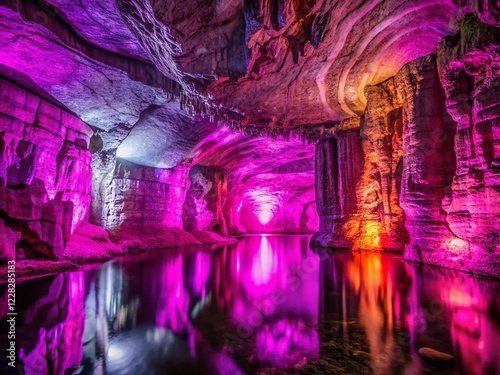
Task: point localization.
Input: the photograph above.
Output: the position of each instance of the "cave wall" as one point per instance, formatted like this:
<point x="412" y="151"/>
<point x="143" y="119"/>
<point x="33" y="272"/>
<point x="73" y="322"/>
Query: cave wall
<point x="470" y="74"/>
<point x="429" y="162"/>
<point x="205" y="199"/>
<point x="429" y="177"/>
<point x="363" y="163"/>
<point x="338" y="171"/>
<point x="143" y="208"/>
<point x="143" y="197"/>
<point x="232" y="211"/>
<point x="378" y="222"/>
<point x="45" y="174"/>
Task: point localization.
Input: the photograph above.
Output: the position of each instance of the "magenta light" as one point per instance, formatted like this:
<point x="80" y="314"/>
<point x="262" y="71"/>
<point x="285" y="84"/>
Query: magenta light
<point x="173" y="299"/>
<point x="287" y="343"/>
<point x="201" y="274"/>
<point x="264" y="264"/>
<point x="265" y="213"/>
<point x="265" y="203"/>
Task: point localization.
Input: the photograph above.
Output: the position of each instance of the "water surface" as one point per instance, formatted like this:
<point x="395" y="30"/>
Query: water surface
<point x="267" y="305"/>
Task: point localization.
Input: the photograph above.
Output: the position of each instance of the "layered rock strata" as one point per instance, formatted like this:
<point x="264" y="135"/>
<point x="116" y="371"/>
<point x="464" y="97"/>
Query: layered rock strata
<point x="429" y="162"/>
<point x="339" y="162"/>
<point x="45" y="174"/>
<point x="429" y="177"/>
<point x="143" y="206"/>
<point x="470" y="74"/>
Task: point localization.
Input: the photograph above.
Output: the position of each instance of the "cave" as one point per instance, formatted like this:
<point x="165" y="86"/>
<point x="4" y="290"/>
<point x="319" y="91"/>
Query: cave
<point x="229" y="187"/>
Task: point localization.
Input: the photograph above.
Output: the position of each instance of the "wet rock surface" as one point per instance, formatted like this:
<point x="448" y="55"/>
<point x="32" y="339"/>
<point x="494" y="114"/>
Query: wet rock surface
<point x="436" y="357"/>
<point x="45" y="174"/>
<point x="158" y="119"/>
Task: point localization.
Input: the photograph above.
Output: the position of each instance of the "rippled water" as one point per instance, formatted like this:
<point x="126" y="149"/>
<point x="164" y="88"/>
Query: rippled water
<point x="266" y="305"/>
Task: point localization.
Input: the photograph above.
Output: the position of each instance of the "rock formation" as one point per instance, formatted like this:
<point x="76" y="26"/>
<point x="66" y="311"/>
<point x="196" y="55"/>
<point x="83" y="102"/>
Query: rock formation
<point x="429" y="161"/>
<point x="139" y="124"/>
<point x="206" y="197"/>
<point x="45" y="174"/>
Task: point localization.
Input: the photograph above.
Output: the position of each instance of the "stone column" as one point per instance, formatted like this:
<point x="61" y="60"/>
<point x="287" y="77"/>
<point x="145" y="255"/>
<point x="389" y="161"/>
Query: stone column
<point x="338" y="169"/>
<point x="429" y="161"/>
<point x="379" y="220"/>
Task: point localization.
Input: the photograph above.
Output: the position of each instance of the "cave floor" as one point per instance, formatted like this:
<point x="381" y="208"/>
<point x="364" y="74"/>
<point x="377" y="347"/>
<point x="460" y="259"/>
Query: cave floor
<point x="266" y="305"/>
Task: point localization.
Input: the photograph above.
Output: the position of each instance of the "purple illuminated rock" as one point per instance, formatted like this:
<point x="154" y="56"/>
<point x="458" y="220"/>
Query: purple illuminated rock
<point x="44" y="175"/>
<point x="202" y="209"/>
<point x="90" y="243"/>
<point x="429" y="162"/>
<point x="101" y="95"/>
<point x="469" y="73"/>
<point x="100" y="23"/>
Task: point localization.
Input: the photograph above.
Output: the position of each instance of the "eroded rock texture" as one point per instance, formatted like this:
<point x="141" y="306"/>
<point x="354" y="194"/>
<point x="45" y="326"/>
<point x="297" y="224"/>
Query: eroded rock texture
<point x="205" y="199"/>
<point x="429" y="162"/>
<point x="339" y="162"/>
<point x="470" y="73"/>
<point x="45" y="174"/>
<point x="144" y="206"/>
<point x="378" y="222"/>
<point x="359" y="191"/>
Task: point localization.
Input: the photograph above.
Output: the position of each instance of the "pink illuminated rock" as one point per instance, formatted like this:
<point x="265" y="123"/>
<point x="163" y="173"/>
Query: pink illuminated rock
<point x="205" y="198"/>
<point x="321" y="56"/>
<point x="205" y="236"/>
<point x="91" y="243"/>
<point x="232" y="213"/>
<point x="144" y="207"/>
<point x="140" y="197"/>
<point x="469" y="72"/>
<point x="429" y="162"/>
<point x="45" y="173"/>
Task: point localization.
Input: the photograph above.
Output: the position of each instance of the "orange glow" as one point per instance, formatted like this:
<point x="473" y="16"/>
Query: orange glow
<point x="374" y="284"/>
<point x="370" y="236"/>
<point x="365" y="234"/>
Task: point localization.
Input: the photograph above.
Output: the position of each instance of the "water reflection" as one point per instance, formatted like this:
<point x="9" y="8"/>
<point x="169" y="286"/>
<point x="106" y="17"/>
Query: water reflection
<point x="266" y="305"/>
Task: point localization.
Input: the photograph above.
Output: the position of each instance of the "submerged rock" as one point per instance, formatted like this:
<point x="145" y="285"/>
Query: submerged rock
<point x="436" y="357"/>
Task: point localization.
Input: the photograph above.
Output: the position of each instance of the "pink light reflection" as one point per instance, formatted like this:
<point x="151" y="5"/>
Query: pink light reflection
<point x="173" y="299"/>
<point x="201" y="273"/>
<point x="287" y="343"/>
<point x="274" y="297"/>
<point x="264" y="263"/>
